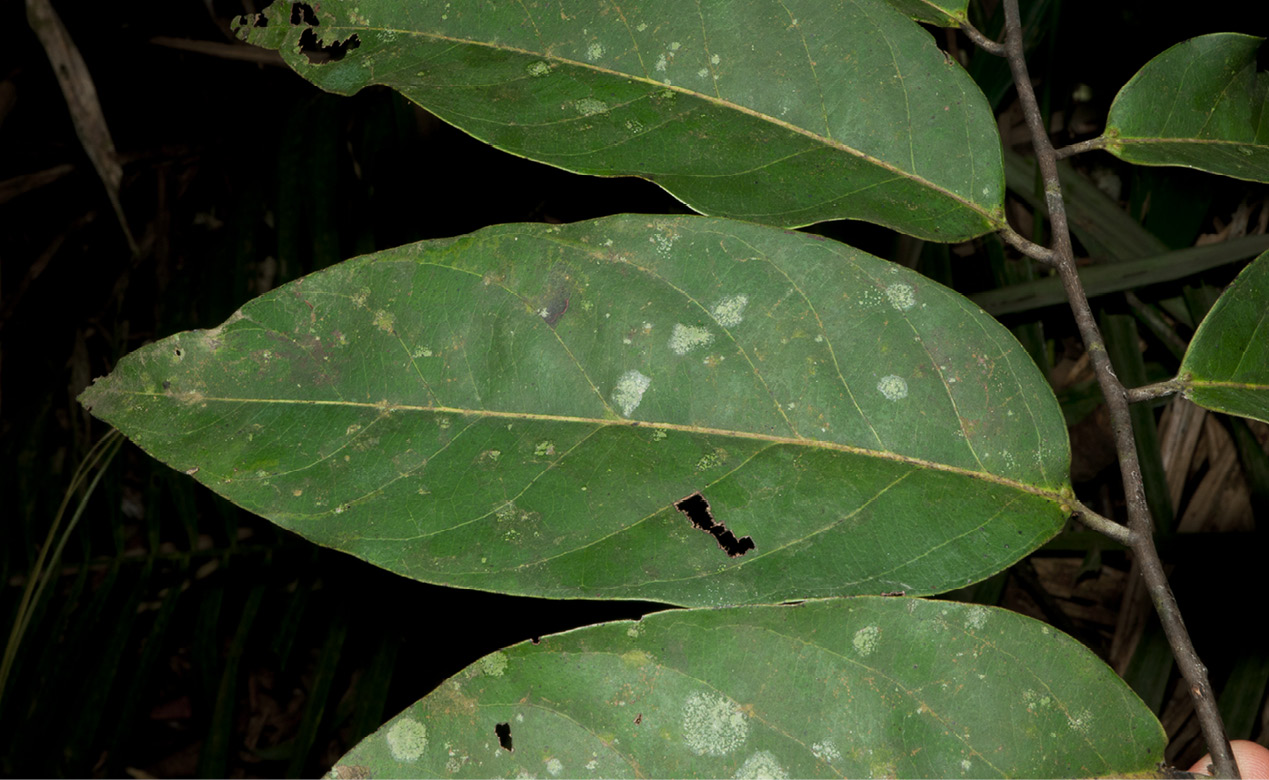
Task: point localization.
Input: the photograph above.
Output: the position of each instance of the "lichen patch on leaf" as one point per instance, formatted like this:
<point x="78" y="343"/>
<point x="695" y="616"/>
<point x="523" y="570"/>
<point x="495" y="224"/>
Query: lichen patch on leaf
<point x="901" y="296"/>
<point x="729" y="311"/>
<point x="590" y="106"/>
<point x="685" y="338"/>
<point x="826" y="751"/>
<point x="894" y="388"/>
<point x="865" y="640"/>
<point x="713" y="725"/>
<point x="762" y="764"/>
<point x="629" y="391"/>
<point x="407" y="739"/>
<point x="976" y="617"/>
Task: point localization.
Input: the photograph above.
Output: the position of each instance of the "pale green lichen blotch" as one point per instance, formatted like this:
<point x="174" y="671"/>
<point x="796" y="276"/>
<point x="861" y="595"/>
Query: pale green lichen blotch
<point x="407" y="739"/>
<point x="713" y="725"/>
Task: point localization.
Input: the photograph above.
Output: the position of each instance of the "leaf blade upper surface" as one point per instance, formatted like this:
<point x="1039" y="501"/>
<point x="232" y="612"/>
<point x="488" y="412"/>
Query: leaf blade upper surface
<point x="1200" y="104"/>
<point x="1226" y="366"/>
<point x="520" y="410"/>
<point x="864" y="687"/>
<point x="782" y="113"/>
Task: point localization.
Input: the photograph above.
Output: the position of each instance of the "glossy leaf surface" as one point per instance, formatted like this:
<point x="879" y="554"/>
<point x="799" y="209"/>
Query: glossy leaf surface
<point x="785" y="113"/>
<point x="1226" y="366"/>
<point x="1200" y="104"/>
<point x="521" y="410"/>
<point x="866" y="687"/>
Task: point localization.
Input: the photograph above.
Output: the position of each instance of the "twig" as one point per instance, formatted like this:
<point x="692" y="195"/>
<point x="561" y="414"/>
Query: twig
<point x="1029" y="248"/>
<point x="1156" y="390"/>
<point x="982" y="41"/>
<point x="1104" y="525"/>
<point x="1083" y="146"/>
<point x="1139" y="520"/>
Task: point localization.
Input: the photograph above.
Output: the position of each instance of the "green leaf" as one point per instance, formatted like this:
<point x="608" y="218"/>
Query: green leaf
<point x="1226" y="367"/>
<point x="944" y="13"/>
<point x="1200" y="104"/>
<point x="783" y="113"/>
<point x="865" y="687"/>
<point x="521" y="409"/>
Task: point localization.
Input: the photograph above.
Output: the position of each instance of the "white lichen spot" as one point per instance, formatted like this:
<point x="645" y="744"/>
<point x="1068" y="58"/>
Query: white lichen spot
<point x="590" y="106"/>
<point x="865" y="640"/>
<point x="901" y="296"/>
<point x="629" y="391"/>
<point x="659" y="434"/>
<point x="554" y="766"/>
<point x="730" y="310"/>
<point x="591" y="764"/>
<point x="826" y="751"/>
<point x="421" y="352"/>
<point x="819" y="339"/>
<point x="634" y="126"/>
<point x="635" y="630"/>
<point x="493" y="664"/>
<point x="595" y="51"/>
<point x="675" y="46"/>
<point x="407" y="739"/>
<point x="545" y="449"/>
<point x="660" y="63"/>
<point x="893" y="387"/>
<point x="352" y="429"/>
<point x="544" y="313"/>
<point x="685" y="338"/>
<point x="664" y="241"/>
<point x="965" y="764"/>
<point x="538" y="69"/>
<point x="703" y="73"/>
<point x="714" y="59"/>
<point x="519" y="717"/>
<point x="762" y="764"/>
<point x="713" y="725"/>
<point x="976" y="618"/>
<point x="1080" y="721"/>
<point x="384" y="320"/>
<point x="641" y="27"/>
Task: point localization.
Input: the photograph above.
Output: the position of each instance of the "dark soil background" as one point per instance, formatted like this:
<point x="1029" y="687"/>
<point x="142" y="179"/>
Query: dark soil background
<point x="181" y="636"/>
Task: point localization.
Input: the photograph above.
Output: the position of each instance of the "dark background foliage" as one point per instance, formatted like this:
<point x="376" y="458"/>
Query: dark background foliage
<point x="182" y="636"/>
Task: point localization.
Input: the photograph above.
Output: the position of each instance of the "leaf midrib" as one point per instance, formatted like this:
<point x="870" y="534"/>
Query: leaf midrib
<point x="1143" y="139"/>
<point x="385" y="407"/>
